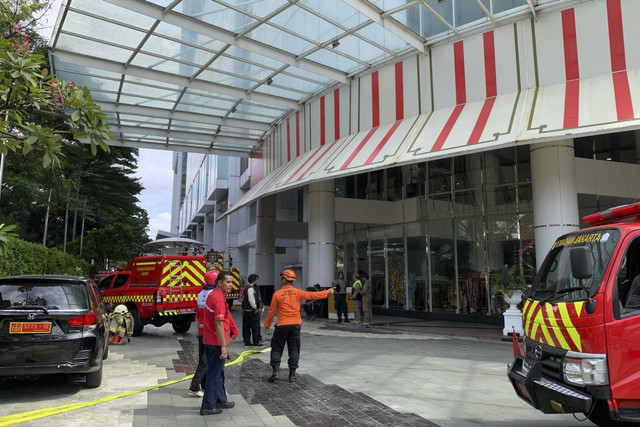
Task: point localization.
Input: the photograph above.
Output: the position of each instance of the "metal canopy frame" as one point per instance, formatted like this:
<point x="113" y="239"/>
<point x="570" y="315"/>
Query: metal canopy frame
<point x="216" y="77"/>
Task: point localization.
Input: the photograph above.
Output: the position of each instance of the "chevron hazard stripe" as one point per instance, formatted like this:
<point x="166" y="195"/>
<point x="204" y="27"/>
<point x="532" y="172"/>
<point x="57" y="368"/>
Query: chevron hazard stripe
<point x="551" y="323"/>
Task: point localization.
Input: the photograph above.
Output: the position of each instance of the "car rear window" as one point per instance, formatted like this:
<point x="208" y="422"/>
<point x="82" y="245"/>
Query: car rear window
<point x="66" y="296"/>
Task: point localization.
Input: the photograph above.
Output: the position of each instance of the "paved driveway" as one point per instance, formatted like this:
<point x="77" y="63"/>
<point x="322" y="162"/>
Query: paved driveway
<point x="388" y="375"/>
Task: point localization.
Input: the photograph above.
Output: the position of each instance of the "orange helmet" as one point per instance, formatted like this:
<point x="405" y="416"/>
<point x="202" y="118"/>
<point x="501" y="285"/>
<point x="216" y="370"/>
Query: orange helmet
<point x="211" y="276"/>
<point x="288" y="275"/>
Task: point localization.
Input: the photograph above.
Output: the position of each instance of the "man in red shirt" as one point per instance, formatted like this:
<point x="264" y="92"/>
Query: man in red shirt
<point x="217" y="324"/>
<point x="286" y="301"/>
<point x="198" y="382"/>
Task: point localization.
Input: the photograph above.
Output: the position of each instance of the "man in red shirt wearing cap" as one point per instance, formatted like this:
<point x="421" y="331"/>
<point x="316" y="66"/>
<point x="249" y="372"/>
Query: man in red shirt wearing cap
<point x="286" y="301"/>
<point x="217" y="324"/>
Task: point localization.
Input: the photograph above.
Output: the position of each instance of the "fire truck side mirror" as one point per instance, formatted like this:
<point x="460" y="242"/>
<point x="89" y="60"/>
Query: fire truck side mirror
<point x="580" y="263"/>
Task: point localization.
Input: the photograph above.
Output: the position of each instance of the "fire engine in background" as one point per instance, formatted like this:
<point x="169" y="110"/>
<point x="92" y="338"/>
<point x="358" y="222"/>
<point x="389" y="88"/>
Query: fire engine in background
<point x="157" y="290"/>
<point x="223" y="261"/>
<point x="582" y="324"/>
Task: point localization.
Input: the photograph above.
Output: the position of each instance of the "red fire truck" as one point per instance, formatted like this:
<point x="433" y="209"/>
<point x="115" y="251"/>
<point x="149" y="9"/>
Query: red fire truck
<point x="157" y="290"/>
<point x="222" y="261"/>
<point x="582" y="324"/>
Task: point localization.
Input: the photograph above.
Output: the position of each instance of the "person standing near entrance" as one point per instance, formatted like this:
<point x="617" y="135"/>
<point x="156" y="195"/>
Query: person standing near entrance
<point x="286" y="302"/>
<point x="340" y="286"/>
<point x="217" y="324"/>
<point x="367" y="293"/>
<point x="198" y="382"/>
<point x="251" y="310"/>
<point x="357" y="298"/>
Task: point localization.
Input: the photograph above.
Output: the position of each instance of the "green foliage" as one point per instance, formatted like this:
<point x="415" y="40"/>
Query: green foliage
<point x="29" y="258"/>
<point x="517" y="282"/>
<point x="29" y="94"/>
<point x="6" y="231"/>
<point x="115" y="243"/>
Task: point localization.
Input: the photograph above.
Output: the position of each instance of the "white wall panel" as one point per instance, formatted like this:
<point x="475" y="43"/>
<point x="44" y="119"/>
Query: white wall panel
<point x="411" y="86"/>
<point x="387" y="100"/>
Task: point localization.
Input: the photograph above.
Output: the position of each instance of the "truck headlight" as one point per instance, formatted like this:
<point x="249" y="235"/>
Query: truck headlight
<point x="587" y="369"/>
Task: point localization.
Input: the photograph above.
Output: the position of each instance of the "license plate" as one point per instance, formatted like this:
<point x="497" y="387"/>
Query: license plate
<point x="30" y="328"/>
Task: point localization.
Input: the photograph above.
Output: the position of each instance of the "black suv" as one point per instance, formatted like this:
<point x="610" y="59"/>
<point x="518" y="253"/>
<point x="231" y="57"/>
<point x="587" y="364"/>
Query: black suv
<point x="52" y="325"/>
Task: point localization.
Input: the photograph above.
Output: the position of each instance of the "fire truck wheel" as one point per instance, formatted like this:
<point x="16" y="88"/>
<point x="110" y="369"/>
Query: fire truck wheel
<point x="600" y="416"/>
<point x="181" y="324"/>
<point x="137" y="323"/>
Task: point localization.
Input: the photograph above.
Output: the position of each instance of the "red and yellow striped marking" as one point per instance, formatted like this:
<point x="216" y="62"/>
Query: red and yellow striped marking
<point x="183" y="273"/>
<point x="126" y="298"/>
<point x="551" y="323"/>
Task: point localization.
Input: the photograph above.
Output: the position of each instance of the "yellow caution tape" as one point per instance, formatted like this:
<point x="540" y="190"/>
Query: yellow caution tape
<point x="46" y="412"/>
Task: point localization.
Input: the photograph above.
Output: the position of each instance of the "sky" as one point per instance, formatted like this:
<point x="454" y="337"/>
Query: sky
<point x="154" y="166"/>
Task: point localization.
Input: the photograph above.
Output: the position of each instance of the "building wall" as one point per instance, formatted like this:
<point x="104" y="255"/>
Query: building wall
<point x="461" y="105"/>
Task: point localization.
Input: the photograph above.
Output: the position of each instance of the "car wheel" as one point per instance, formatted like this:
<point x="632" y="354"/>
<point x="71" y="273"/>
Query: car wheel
<point x="105" y="352"/>
<point x="181" y="324"/>
<point x="137" y="323"/>
<point x="94" y="379"/>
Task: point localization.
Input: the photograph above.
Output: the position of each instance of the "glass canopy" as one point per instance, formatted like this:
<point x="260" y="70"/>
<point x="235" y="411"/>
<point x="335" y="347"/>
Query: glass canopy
<point x="214" y="76"/>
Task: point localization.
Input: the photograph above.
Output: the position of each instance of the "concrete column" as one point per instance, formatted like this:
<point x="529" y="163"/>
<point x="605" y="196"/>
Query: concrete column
<point x="266" y="241"/>
<point x="207" y="239"/>
<point x="321" y="240"/>
<point x="200" y="230"/>
<point x="555" y="196"/>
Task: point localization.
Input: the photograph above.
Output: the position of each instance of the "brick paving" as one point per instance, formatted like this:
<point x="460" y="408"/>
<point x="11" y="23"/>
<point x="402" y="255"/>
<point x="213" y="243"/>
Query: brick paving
<point x="307" y="402"/>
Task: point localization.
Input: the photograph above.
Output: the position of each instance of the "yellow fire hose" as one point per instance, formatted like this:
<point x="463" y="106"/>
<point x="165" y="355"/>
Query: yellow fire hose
<point x="46" y="412"/>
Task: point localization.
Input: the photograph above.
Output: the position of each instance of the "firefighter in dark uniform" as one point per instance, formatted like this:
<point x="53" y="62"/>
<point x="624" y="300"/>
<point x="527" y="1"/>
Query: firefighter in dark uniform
<point x="251" y="310"/>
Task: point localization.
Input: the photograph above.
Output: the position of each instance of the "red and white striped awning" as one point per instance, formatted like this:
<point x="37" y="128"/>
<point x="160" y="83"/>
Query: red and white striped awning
<point x="587" y="81"/>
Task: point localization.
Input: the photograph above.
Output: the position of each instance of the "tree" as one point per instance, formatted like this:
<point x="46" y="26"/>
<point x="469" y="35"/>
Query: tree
<point x="28" y="90"/>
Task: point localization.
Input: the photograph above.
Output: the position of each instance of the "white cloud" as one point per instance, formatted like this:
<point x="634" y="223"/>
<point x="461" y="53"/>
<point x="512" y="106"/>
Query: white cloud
<point x="162" y="221"/>
<point x="156" y="175"/>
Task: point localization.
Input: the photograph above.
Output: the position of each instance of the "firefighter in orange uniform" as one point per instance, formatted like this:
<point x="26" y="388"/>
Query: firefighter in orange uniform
<point x="286" y="301"/>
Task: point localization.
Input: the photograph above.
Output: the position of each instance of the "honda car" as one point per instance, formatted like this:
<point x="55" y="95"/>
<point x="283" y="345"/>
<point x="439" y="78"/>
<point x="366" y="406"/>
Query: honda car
<point x="52" y="325"/>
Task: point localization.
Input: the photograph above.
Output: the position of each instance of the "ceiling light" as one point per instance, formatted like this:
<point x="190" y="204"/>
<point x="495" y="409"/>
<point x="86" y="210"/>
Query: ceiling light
<point x="335" y="44"/>
<point x="269" y="81"/>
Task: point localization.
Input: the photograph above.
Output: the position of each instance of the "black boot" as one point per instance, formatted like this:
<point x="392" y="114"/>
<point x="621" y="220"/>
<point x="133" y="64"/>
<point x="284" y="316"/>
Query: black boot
<point x="292" y="375"/>
<point x="275" y="375"/>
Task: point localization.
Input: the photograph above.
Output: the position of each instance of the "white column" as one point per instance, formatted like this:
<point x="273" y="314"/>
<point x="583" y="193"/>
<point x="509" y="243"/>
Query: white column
<point x="555" y="196"/>
<point x="266" y="241"/>
<point x="321" y="240"/>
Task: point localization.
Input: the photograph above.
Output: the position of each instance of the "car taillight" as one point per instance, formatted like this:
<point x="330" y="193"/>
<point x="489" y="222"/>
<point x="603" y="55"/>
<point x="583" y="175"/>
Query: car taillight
<point x="158" y="298"/>
<point x="87" y="320"/>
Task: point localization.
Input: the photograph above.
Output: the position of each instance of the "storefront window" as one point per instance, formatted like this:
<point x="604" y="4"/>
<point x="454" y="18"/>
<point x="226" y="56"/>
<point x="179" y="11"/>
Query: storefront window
<point x="439" y="176"/>
<point x="360" y="185"/>
<point x="394" y="184"/>
<point x="471" y="262"/>
<point x="503" y="247"/>
<point x="396" y="266"/>
<point x="362" y="249"/>
<point x="414" y="176"/>
<point x="613" y="147"/>
<point x="467" y="172"/>
<point x="416" y="266"/>
<point x="378" y="271"/>
<point x="500" y="167"/>
<point x="443" y="265"/>
<point x="375" y="189"/>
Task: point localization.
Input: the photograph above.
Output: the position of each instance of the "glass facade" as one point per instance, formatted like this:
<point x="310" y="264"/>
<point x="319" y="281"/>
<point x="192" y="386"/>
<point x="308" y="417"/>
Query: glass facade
<point x="474" y="215"/>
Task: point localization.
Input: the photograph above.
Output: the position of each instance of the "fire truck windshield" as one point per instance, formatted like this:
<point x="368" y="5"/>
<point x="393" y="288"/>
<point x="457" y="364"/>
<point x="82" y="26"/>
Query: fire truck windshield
<point x="554" y="281"/>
